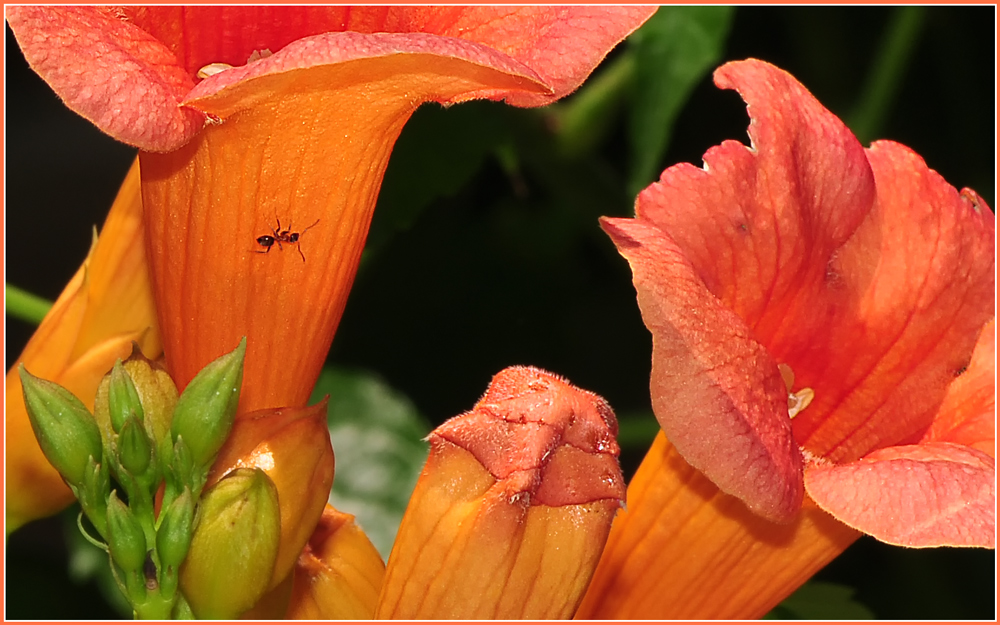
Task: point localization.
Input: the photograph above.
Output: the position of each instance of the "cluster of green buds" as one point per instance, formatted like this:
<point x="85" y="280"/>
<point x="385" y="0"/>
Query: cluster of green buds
<point x="138" y="466"/>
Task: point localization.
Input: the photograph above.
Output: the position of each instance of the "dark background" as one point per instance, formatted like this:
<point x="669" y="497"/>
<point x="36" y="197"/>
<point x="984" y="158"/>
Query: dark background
<point x="509" y="267"/>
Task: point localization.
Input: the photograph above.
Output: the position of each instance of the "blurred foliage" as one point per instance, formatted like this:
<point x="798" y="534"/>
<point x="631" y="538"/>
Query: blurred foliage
<point x="485" y="252"/>
<point x="377" y="439"/>
<point x="821" y="600"/>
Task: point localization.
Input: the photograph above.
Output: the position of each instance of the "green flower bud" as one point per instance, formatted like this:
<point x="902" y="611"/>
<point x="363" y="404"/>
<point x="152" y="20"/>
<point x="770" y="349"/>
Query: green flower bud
<point x="234" y="546"/>
<point x="173" y="538"/>
<point x="157" y="394"/>
<point x="66" y="431"/>
<point x="206" y="409"/>
<point x="134" y="448"/>
<point x="93" y="494"/>
<point x="183" y="474"/>
<point x="126" y="540"/>
<point x="123" y="399"/>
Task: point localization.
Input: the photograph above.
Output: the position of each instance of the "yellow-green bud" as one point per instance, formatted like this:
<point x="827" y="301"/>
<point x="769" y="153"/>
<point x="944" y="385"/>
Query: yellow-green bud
<point x="66" y="431"/>
<point x="123" y="399"/>
<point x="206" y="409"/>
<point x="126" y="540"/>
<point x="157" y="394"/>
<point x="134" y="448"/>
<point x="234" y="546"/>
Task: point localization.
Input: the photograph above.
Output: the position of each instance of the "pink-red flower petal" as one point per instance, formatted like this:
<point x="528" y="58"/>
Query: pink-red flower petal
<point x="968" y="415"/>
<point x="110" y="72"/>
<point x="861" y="269"/>
<point x="716" y="391"/>
<point x="918" y="281"/>
<point x="127" y="69"/>
<point x="928" y="495"/>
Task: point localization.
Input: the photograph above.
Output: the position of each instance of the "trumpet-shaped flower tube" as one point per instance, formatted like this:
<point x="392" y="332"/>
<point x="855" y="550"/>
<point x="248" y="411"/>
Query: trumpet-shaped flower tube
<point x="106" y="306"/>
<point x="513" y="507"/>
<point x="259" y="181"/>
<point x="814" y="307"/>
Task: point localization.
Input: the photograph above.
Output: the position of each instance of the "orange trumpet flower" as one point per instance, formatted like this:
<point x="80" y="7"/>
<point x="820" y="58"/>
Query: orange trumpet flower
<point x="264" y="134"/>
<point x="815" y="307"/>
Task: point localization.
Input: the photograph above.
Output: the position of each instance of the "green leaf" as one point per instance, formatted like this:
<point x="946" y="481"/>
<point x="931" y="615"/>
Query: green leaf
<point x="887" y="71"/>
<point x="821" y="600"/>
<point x="675" y="49"/>
<point x="377" y="440"/>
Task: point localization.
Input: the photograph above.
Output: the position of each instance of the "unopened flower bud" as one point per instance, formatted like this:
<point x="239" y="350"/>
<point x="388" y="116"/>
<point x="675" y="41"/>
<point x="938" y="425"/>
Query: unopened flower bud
<point x="123" y="399"/>
<point x="66" y="431"/>
<point x="232" y="552"/>
<point x="291" y="445"/>
<point x="157" y="397"/>
<point x="205" y="410"/>
<point x="93" y="494"/>
<point x="173" y="539"/>
<point x="338" y="574"/>
<point x="126" y="540"/>
<point x="511" y="512"/>
<point x="134" y="448"/>
<point x="183" y="473"/>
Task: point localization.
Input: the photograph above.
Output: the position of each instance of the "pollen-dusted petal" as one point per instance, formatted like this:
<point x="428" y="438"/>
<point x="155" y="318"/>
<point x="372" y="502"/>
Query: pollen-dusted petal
<point x="920" y="274"/>
<point x="106" y="306"/>
<point x="716" y="391"/>
<point x="109" y="71"/>
<point x="339" y="573"/>
<point x="684" y="550"/>
<point x="509" y="517"/>
<point x="927" y="495"/>
<point x="968" y="415"/>
<point x="292" y="446"/>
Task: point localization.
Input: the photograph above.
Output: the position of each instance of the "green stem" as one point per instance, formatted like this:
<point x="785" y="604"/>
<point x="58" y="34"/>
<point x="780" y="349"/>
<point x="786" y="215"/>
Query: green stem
<point x="583" y="120"/>
<point x="887" y="72"/>
<point x="637" y="431"/>
<point x="26" y="306"/>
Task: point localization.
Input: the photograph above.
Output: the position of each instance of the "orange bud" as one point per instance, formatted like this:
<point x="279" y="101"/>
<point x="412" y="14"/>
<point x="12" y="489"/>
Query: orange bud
<point x="512" y="510"/>
<point x="339" y="574"/>
<point x="291" y="445"/>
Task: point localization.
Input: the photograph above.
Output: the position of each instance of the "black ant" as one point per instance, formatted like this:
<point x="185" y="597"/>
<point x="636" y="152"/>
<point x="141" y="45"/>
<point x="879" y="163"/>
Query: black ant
<point x="280" y="236"/>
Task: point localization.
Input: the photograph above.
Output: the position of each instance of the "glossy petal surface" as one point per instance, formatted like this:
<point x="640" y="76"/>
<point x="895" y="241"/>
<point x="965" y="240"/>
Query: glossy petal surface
<point x="292" y="446"/>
